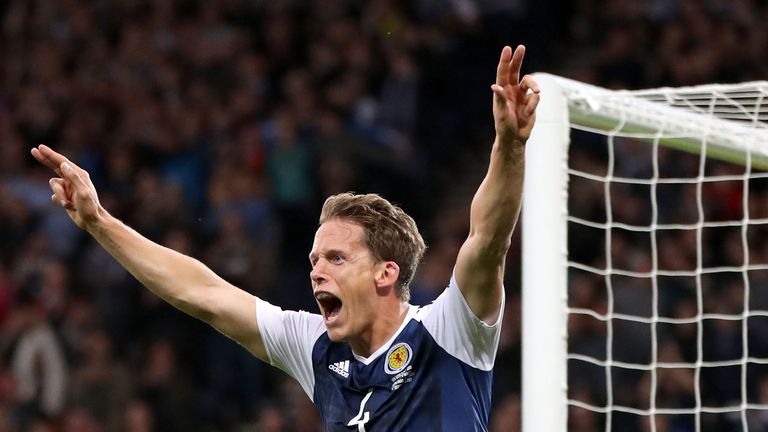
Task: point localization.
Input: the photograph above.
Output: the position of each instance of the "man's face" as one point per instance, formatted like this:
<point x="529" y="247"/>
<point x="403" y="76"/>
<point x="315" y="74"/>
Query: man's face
<point x="343" y="279"/>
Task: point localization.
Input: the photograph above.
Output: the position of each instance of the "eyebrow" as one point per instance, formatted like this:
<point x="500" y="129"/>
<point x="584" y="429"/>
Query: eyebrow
<point x="314" y="255"/>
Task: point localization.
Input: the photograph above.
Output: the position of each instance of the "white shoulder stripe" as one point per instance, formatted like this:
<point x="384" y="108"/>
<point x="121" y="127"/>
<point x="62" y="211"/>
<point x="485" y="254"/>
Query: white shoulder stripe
<point x="458" y="331"/>
<point x="289" y="338"/>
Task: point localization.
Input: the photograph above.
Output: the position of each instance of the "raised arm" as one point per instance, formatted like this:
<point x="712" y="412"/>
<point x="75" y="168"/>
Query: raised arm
<point x="496" y="205"/>
<point x="178" y="279"/>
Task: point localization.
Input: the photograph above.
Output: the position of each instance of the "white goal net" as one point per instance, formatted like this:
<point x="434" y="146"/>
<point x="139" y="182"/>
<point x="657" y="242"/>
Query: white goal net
<point x="645" y="259"/>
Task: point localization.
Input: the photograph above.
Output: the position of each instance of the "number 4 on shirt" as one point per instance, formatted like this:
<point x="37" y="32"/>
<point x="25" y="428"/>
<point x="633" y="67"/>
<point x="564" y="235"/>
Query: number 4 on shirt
<point x="363" y="416"/>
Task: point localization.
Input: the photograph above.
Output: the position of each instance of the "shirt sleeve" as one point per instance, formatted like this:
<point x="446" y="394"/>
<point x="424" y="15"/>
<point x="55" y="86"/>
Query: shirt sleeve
<point x="289" y="337"/>
<point x="459" y="331"/>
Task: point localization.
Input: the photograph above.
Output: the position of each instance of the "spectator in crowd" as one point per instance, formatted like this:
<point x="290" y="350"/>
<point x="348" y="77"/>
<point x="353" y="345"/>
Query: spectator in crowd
<point x="174" y="106"/>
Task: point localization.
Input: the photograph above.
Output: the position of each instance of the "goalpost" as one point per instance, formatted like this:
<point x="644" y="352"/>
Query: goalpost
<point x="645" y="259"/>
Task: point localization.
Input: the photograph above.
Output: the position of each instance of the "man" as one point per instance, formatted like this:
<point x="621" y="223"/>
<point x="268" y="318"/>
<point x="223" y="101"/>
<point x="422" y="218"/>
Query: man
<point x="369" y="361"/>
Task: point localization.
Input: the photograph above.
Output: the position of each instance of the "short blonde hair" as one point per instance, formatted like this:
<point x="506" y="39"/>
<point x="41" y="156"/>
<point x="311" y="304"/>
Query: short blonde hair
<point x="389" y="233"/>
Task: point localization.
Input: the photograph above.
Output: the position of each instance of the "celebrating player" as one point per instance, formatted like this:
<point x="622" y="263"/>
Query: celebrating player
<point x="369" y="360"/>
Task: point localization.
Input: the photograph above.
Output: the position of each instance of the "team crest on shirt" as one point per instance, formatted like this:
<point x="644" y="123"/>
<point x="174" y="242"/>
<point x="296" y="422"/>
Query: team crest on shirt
<point x="398" y="357"/>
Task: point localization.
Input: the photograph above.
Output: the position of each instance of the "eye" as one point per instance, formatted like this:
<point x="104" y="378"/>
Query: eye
<point x="337" y="259"/>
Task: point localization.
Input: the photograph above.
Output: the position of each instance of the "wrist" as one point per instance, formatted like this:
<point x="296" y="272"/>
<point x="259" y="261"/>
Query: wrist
<point x="99" y="223"/>
<point x="512" y="146"/>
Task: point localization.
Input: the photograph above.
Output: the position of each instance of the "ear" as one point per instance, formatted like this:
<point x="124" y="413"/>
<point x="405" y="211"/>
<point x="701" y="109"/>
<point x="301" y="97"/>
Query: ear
<point x="386" y="274"/>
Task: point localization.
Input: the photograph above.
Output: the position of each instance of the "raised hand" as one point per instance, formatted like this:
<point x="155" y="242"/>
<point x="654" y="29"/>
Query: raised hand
<point x="514" y="106"/>
<point x="73" y="189"/>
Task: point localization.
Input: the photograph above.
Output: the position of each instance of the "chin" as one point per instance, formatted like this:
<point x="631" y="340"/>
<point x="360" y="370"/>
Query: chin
<point x="336" y="335"/>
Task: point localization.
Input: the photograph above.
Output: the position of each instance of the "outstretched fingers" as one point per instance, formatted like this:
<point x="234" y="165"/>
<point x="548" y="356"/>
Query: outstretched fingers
<point x="73" y="189"/>
<point x="502" y="70"/>
<point x="48" y="157"/>
<point x="62" y="166"/>
<point x="515" y="97"/>
<point x="508" y="75"/>
<point x="516" y="64"/>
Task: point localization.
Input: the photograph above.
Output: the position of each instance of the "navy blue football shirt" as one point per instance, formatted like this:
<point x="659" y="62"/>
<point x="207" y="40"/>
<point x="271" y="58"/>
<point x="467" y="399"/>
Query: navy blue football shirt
<point x="434" y="374"/>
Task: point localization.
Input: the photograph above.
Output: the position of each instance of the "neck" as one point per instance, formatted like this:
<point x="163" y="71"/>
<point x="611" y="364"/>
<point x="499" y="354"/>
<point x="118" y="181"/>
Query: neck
<point x="382" y="329"/>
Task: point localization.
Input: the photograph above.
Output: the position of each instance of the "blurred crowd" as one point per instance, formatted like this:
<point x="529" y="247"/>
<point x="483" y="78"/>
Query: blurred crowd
<point x="217" y="128"/>
<point x="692" y="314"/>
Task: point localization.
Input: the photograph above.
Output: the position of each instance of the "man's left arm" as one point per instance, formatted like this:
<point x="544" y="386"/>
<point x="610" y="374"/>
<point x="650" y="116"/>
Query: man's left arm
<point x="480" y="264"/>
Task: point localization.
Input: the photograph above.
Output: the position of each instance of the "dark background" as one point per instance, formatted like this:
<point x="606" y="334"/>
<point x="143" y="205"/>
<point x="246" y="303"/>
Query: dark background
<point x="217" y="128"/>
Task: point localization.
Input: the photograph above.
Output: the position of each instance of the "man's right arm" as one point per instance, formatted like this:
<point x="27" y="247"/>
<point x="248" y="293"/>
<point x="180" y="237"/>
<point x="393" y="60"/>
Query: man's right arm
<point x="182" y="281"/>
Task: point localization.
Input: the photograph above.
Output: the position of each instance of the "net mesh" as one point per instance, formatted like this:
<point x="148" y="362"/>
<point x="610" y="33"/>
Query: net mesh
<point x="668" y="267"/>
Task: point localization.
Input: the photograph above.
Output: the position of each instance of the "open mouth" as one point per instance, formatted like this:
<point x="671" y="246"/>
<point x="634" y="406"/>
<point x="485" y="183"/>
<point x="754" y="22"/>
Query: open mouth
<point x="330" y="305"/>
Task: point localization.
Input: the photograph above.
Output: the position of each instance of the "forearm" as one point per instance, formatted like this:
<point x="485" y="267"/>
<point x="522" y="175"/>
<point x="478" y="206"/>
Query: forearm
<point x="496" y="204"/>
<point x="180" y="280"/>
<point x="480" y="263"/>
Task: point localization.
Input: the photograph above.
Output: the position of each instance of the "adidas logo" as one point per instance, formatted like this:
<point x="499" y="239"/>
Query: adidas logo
<point x="341" y="368"/>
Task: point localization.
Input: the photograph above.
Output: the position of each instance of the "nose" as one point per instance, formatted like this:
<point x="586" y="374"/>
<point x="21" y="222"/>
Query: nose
<point x="317" y="276"/>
